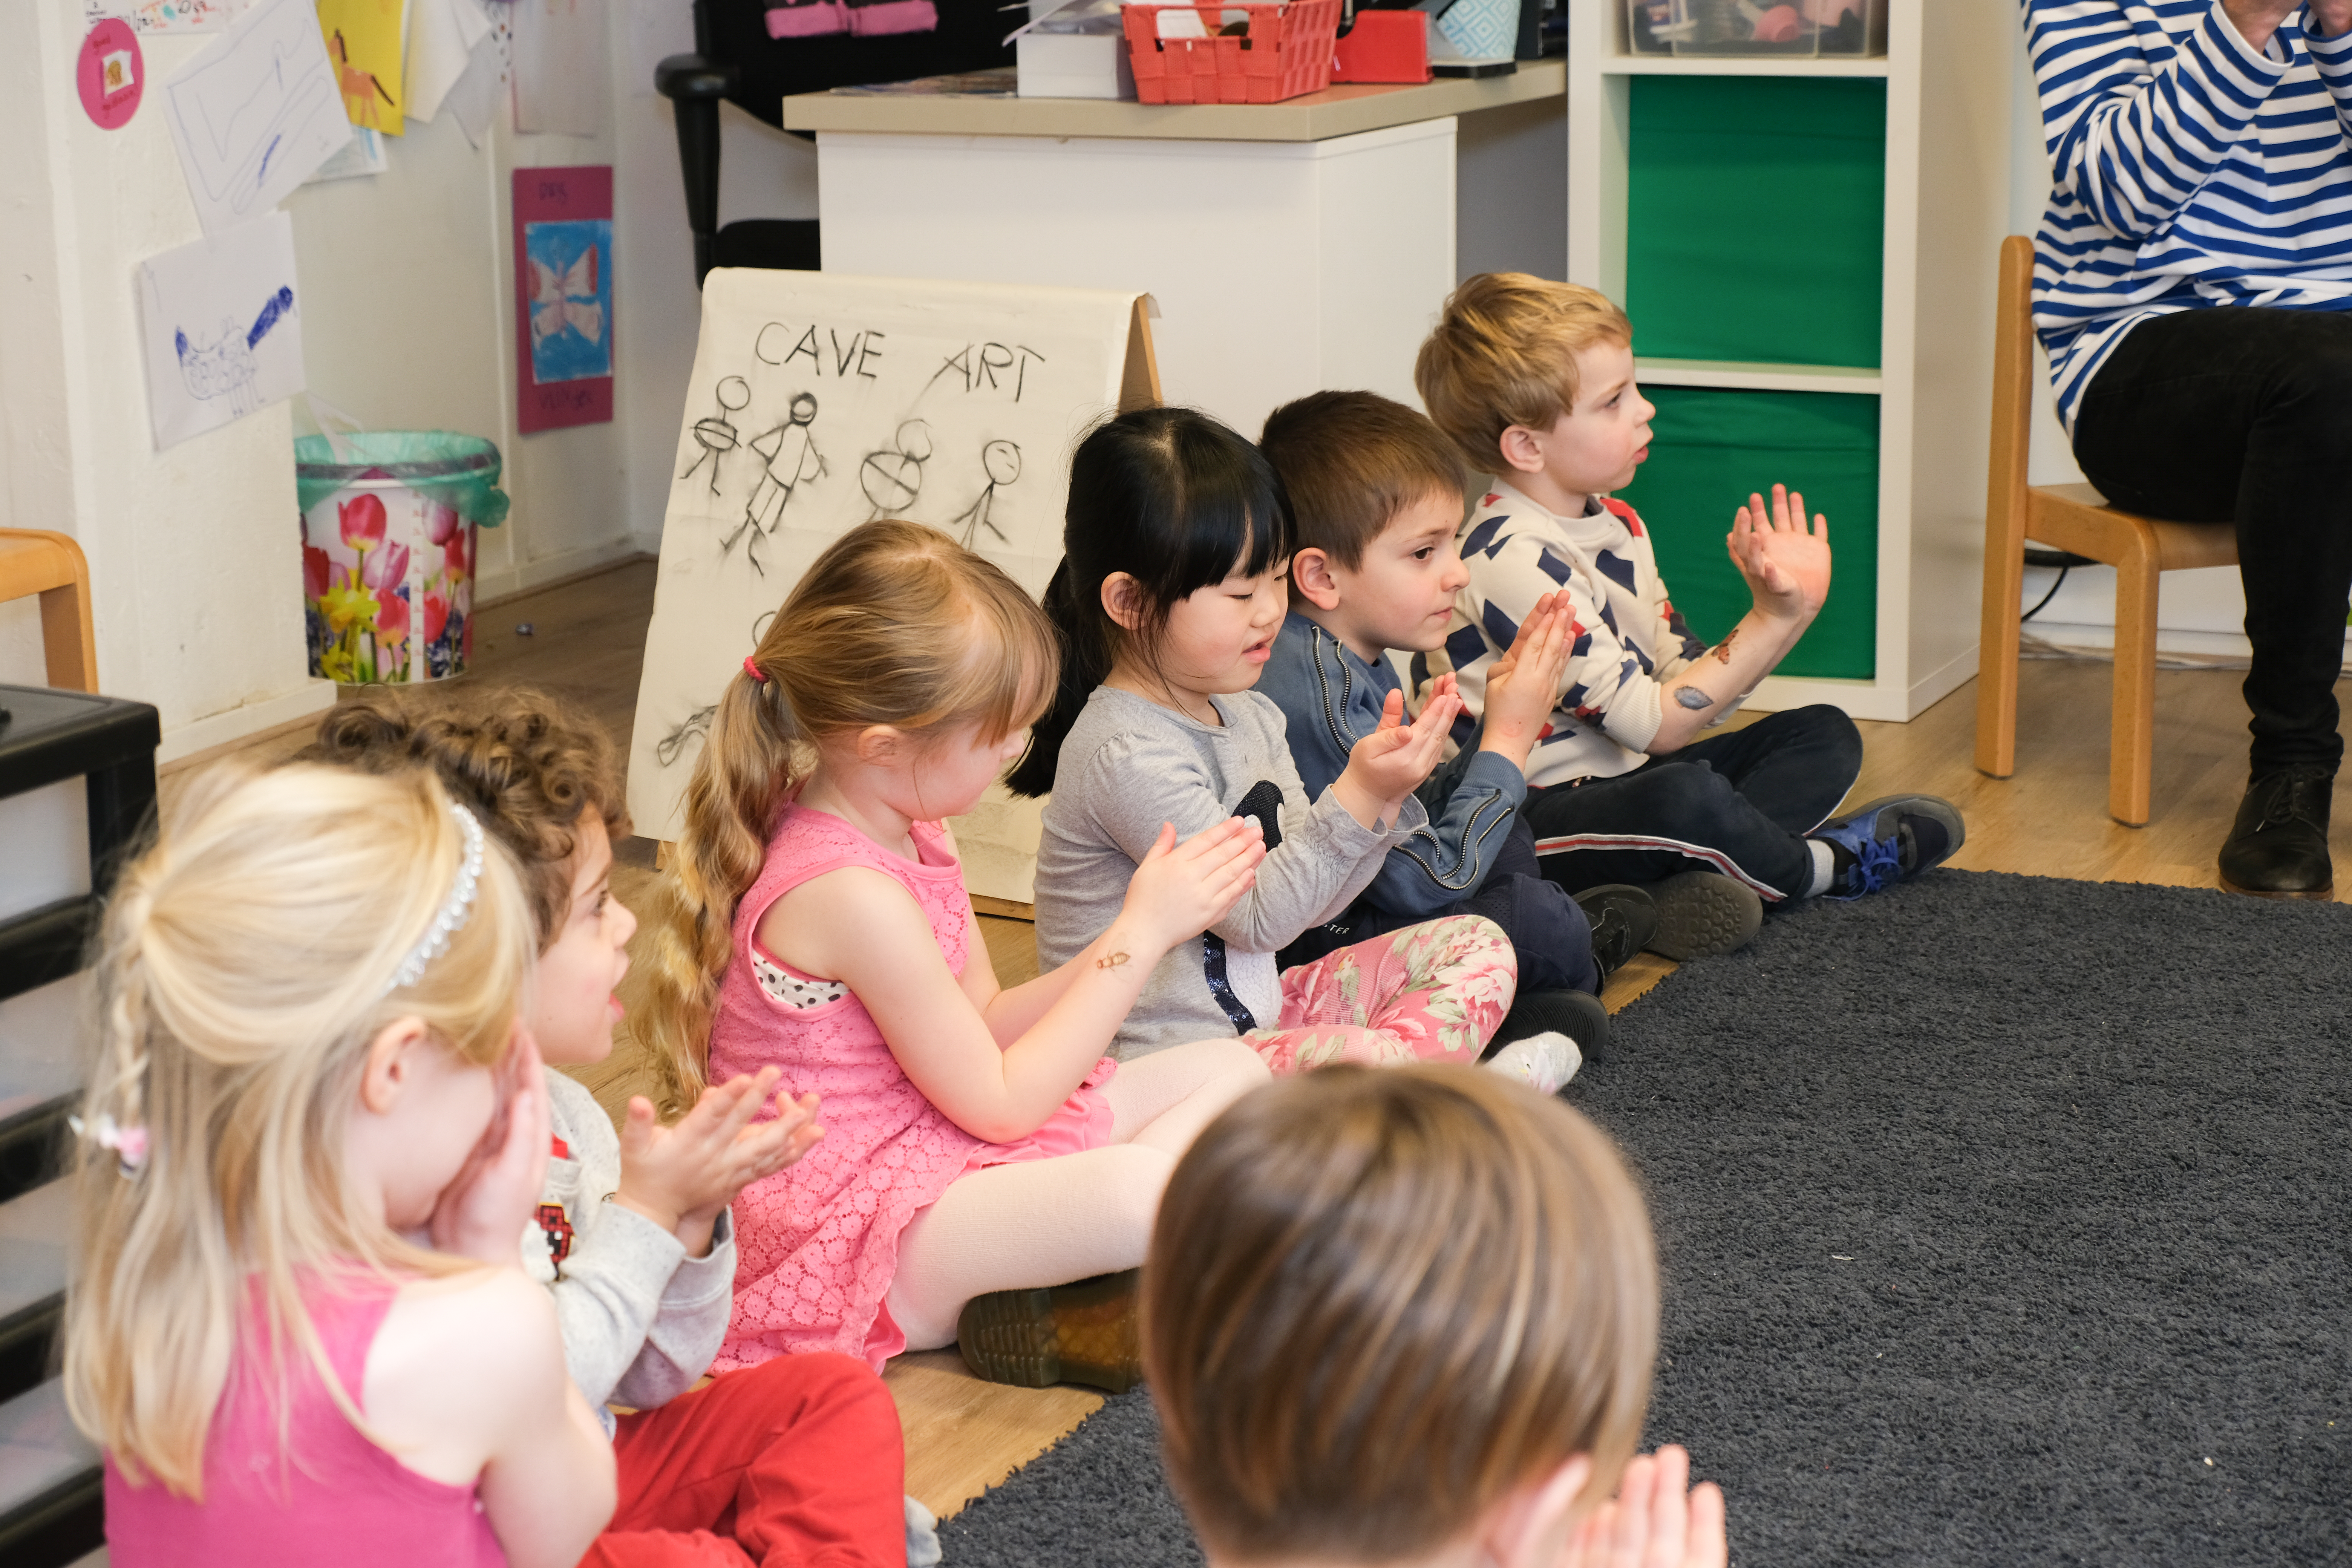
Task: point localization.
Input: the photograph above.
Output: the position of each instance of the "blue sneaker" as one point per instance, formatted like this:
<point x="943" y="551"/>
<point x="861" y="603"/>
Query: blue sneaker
<point x="1890" y="840"/>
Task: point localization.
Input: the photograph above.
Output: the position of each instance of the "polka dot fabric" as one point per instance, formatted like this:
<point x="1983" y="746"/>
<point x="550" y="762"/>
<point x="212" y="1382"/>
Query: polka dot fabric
<point x="817" y="1243"/>
<point x="791" y="990"/>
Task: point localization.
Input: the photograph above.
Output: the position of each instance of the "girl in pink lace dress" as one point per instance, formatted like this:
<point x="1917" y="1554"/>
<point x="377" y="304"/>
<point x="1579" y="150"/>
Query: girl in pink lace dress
<point x="979" y="1146"/>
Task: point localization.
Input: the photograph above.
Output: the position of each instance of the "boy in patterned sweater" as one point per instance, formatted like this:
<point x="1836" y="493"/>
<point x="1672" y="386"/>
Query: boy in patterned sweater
<point x="1534" y="383"/>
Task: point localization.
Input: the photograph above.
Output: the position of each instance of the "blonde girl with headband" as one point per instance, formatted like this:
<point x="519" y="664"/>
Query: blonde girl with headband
<point x="312" y="1137"/>
<point x="1409" y="1317"/>
<point x="980" y="1147"/>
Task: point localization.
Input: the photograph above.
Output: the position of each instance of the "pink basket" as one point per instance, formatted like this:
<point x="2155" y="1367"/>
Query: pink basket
<point x="1286" y="51"/>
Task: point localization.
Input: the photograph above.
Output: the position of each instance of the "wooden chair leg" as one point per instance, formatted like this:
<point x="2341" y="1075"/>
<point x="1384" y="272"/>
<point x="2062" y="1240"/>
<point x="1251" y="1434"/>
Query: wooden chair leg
<point x="2004" y="582"/>
<point x="2132" y="746"/>
<point x="68" y="640"/>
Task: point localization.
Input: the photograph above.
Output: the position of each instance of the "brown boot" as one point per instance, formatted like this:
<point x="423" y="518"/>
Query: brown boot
<point x="1085" y="1331"/>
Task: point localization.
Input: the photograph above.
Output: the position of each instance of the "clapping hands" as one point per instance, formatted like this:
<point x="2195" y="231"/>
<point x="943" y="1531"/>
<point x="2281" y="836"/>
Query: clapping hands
<point x="1786" y="564"/>
<point x="1179" y="890"/>
<point x="1389" y="764"/>
<point x="1657" y="1519"/>
<point x="682" y="1176"/>
<point x="1524" y="684"/>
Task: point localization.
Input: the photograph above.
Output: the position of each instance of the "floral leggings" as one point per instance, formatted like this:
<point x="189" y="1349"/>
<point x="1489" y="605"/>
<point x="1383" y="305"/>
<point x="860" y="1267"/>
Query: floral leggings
<point x="1433" y="992"/>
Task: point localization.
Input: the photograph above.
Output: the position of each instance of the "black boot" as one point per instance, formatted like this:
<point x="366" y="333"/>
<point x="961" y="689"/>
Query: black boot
<point x="2278" y="846"/>
<point x="1624" y="918"/>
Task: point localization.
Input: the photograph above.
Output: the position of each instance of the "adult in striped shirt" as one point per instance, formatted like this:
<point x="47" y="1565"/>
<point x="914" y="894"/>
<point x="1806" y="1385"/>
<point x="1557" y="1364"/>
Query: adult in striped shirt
<point x="2193" y="285"/>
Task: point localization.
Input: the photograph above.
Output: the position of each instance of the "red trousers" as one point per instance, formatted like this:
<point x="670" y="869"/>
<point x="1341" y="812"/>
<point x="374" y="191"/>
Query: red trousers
<point x="795" y="1463"/>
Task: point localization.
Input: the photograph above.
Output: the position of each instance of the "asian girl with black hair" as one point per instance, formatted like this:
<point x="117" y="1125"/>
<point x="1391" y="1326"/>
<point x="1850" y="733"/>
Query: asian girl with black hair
<point x="1171" y="588"/>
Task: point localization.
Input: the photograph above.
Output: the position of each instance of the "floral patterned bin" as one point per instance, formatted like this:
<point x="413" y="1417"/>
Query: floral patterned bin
<point x="388" y="532"/>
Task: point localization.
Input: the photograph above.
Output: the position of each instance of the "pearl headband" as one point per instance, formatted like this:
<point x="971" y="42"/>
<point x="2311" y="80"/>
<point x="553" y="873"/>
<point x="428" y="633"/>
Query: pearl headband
<point x="454" y="911"/>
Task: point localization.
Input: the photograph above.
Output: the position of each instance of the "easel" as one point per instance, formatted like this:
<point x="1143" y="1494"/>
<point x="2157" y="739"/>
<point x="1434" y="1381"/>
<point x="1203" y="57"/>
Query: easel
<point x="1138" y="388"/>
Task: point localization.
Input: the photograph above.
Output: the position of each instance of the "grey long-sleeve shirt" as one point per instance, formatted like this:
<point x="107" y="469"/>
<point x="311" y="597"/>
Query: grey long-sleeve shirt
<point x="640" y="1319"/>
<point x="1128" y="765"/>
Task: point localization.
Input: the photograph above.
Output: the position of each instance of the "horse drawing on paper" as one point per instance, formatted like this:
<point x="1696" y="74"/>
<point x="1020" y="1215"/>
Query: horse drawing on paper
<point x="360" y="87"/>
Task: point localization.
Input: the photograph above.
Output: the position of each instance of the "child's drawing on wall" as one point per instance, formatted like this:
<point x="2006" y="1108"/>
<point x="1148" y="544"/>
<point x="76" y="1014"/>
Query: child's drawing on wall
<point x="570" y="298"/>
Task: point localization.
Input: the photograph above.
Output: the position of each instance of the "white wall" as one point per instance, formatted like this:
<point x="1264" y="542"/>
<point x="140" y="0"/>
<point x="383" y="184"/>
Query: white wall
<point x="406" y="286"/>
<point x="192" y="552"/>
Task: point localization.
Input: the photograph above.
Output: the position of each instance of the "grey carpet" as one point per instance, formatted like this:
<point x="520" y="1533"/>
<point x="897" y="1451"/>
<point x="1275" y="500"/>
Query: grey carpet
<point x="1991" y="1209"/>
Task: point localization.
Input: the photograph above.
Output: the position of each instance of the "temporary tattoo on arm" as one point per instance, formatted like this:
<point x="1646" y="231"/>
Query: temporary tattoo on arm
<point x="1692" y="698"/>
<point x="1110" y="961"/>
<point x="1723" y="649"/>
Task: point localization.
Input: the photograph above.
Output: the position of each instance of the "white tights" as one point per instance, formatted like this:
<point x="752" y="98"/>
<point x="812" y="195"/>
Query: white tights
<point x="1047" y="1222"/>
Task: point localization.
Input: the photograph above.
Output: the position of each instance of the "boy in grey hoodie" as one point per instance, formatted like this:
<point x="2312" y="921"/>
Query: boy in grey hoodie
<point x="632" y="1234"/>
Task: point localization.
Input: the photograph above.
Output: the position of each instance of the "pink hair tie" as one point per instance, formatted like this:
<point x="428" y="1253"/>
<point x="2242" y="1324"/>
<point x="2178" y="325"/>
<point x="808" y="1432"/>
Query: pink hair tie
<point x="751" y="668"/>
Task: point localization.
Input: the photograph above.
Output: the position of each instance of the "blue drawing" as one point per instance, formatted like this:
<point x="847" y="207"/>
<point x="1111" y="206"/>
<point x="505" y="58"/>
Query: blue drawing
<point x="272" y="310"/>
<point x="223" y="365"/>
<point x="570" y="265"/>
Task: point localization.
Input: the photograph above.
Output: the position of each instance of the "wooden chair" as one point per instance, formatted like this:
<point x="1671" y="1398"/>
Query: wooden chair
<point x="52" y="565"/>
<point x="2078" y="519"/>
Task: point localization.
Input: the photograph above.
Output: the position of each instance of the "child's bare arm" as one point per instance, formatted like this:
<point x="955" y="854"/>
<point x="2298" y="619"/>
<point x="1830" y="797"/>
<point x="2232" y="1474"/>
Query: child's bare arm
<point x="862" y="928"/>
<point x="466" y="1385"/>
<point x="1786" y="566"/>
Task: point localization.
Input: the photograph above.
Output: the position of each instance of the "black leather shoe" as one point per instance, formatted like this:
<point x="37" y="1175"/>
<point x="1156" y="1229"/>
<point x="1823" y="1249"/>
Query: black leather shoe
<point x="2278" y="846"/>
<point x="1624" y="918"/>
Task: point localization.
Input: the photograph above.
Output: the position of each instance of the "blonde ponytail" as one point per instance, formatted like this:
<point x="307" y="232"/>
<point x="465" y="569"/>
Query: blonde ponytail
<point x="895" y="624"/>
<point x="244" y="963"/>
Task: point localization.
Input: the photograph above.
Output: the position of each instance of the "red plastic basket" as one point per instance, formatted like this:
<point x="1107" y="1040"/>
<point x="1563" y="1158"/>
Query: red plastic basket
<point x="1286" y="51"/>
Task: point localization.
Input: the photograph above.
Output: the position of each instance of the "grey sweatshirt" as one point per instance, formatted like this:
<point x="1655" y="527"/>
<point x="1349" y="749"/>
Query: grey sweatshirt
<point x="640" y="1320"/>
<point x="1129" y="765"/>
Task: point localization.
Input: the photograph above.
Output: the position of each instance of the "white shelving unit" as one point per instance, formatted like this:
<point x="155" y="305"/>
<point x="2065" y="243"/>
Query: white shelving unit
<point x="1948" y="79"/>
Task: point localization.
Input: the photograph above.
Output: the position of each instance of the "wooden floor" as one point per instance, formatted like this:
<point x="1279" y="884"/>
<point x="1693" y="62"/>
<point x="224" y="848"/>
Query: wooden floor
<point x="963" y="1436"/>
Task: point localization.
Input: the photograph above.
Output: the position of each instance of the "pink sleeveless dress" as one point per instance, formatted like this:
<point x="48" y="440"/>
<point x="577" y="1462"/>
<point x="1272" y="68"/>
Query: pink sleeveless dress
<point x="328" y="1493"/>
<point x="817" y="1243"/>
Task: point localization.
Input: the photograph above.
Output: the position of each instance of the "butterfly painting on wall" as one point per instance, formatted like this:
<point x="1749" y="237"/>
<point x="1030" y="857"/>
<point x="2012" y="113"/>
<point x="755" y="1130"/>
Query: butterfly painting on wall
<point x="571" y="287"/>
<point x="563" y="325"/>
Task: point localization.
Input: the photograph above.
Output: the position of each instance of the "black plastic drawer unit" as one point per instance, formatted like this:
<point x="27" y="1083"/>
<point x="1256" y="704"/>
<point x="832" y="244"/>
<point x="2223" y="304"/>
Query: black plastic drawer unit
<point x="76" y="793"/>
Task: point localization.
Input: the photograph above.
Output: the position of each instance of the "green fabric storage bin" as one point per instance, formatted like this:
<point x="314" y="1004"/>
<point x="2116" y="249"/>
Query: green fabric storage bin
<point x="1710" y="449"/>
<point x="1754" y="218"/>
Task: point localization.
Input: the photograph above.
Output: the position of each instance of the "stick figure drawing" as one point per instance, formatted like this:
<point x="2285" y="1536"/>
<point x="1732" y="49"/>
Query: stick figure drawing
<point x="717" y="436"/>
<point x="1001" y="462"/>
<point x="893" y="479"/>
<point x="790" y="458"/>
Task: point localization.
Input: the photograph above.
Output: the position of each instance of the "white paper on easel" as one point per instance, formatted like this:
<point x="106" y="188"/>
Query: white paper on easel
<point x="255" y="113"/>
<point x="820" y="401"/>
<point x="558" y="66"/>
<point x="223" y="327"/>
<point x="442" y="36"/>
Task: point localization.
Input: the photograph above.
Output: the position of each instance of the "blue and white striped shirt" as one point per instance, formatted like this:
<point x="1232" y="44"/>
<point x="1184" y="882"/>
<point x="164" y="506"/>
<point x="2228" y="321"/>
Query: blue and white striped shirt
<point x="2189" y="169"/>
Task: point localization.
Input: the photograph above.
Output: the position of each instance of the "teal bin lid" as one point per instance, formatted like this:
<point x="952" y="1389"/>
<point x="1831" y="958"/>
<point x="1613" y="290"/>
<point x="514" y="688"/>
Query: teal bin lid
<point x="461" y="472"/>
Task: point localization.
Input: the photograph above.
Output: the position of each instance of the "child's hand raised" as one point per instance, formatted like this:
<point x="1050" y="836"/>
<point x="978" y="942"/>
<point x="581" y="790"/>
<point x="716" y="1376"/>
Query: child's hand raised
<point x="1524" y="685"/>
<point x="1787" y="565"/>
<point x="1658" y="1520"/>
<point x="1179" y="890"/>
<point x="1389" y="764"/>
<point x="483" y="1213"/>
<point x="681" y="1176"/>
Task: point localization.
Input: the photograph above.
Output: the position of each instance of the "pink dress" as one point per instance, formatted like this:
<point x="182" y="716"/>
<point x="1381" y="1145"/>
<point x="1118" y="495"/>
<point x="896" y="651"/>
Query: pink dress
<point x="326" y="1493"/>
<point x="817" y="1243"/>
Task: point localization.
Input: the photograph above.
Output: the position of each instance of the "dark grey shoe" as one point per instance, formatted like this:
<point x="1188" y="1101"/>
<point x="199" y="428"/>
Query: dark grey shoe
<point x="1576" y="1014"/>
<point x="1703" y="913"/>
<point x="1624" y="918"/>
<point x="2278" y="846"/>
